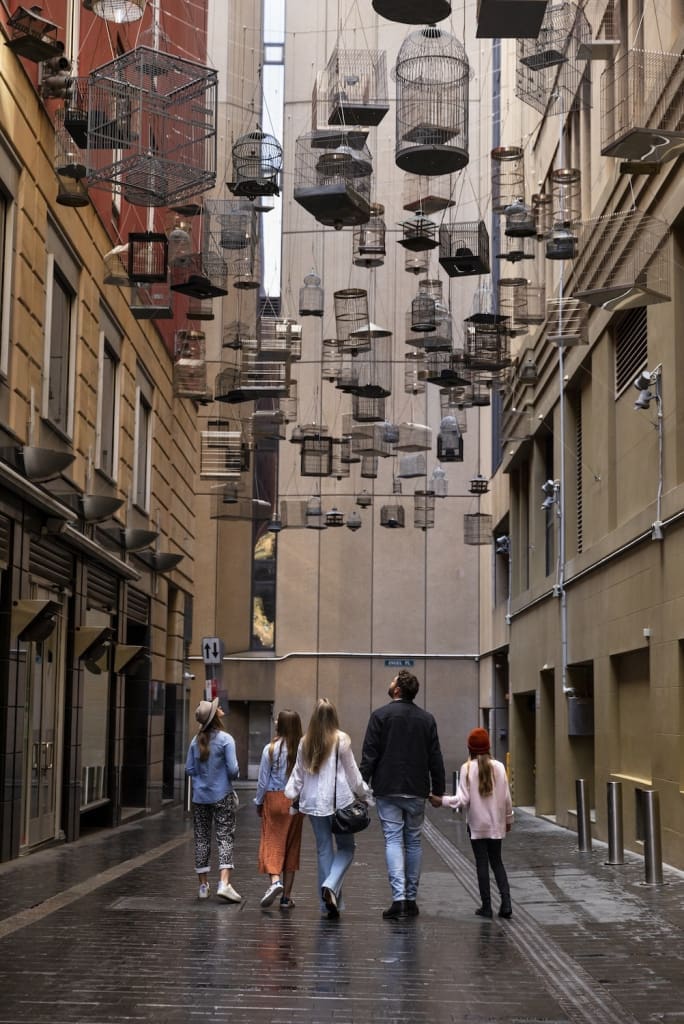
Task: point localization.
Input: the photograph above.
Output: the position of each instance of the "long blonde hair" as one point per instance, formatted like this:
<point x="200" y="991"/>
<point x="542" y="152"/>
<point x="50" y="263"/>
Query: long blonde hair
<point x="320" y="736"/>
<point x="485" y="775"/>
<point x="289" y="729"/>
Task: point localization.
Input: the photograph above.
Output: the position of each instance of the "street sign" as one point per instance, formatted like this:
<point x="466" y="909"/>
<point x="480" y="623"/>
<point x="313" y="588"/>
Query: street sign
<point x="212" y="650"/>
<point x="398" y="662"/>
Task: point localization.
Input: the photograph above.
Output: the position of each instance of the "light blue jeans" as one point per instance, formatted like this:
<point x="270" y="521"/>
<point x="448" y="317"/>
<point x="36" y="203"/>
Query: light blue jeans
<point x="402" y="818"/>
<point x="333" y="863"/>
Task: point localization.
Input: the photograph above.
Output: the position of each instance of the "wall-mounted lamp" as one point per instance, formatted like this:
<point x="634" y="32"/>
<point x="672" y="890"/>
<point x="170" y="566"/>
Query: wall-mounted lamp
<point x="91" y="644"/>
<point x="127" y="658"/>
<point x="502" y="545"/>
<point x="34" y="620"/>
<point x="643" y="384"/>
<point x="648" y="384"/>
<point x="550" y="488"/>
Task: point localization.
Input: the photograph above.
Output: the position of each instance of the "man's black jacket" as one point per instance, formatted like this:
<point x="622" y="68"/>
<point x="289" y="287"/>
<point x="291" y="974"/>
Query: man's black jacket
<point x="401" y="753"/>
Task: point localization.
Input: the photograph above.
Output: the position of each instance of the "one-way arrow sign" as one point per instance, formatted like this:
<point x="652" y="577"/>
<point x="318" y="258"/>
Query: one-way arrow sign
<point x="212" y="650"/>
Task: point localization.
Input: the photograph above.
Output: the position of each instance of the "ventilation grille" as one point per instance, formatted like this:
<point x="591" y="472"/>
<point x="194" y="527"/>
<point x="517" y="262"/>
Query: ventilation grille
<point x="631" y="348"/>
<point x="578" y="478"/>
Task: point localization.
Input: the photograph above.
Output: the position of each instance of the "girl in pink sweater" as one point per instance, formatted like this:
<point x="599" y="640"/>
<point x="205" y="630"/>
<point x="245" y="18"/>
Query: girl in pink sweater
<point x="483" y="789"/>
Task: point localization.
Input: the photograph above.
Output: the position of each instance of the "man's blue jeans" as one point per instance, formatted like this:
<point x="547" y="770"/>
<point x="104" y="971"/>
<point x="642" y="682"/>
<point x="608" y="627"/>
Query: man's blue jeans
<point x="333" y="863"/>
<point x="402" y="818"/>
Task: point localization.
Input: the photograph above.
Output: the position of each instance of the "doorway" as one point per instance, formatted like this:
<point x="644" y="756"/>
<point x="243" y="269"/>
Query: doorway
<point x="43" y="662"/>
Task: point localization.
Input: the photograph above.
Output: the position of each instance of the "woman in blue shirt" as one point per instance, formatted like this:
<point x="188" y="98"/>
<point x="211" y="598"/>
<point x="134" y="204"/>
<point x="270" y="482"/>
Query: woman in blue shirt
<point x="281" y="831"/>
<point x="212" y="765"/>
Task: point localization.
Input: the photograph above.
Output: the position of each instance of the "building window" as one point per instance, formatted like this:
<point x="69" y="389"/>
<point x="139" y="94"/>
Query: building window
<point x="143" y="441"/>
<point x="9" y="183"/>
<point x="60" y="333"/>
<point x="108" y="397"/>
<point x="59" y="337"/>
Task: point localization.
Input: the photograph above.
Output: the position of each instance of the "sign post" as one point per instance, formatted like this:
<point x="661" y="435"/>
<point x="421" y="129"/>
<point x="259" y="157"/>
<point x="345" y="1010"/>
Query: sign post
<point x="212" y="655"/>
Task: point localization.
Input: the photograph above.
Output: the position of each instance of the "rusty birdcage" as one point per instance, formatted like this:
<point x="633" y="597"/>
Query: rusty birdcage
<point x="433" y="78"/>
<point x="144" y="93"/>
<point x="550" y="67"/>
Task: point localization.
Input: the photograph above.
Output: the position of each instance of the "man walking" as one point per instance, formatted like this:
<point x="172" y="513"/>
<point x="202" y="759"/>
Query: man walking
<point x="402" y="761"/>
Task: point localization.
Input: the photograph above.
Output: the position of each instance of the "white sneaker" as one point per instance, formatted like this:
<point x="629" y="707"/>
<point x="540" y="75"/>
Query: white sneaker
<point x="227" y="892"/>
<point x="203" y="891"/>
<point x="274" y="889"/>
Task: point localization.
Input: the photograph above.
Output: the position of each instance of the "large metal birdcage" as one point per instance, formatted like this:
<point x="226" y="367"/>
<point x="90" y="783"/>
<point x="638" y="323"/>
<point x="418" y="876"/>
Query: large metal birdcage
<point x="433" y="78"/>
<point x="152" y="127"/>
<point x="550" y="67"/>
<point x="352" y="89"/>
<point x="333" y="178"/>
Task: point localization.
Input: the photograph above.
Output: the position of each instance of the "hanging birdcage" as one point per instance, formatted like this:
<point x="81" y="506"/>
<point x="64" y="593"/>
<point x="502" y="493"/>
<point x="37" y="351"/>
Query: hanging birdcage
<point x="70" y="168"/>
<point x="424" y="510"/>
<point x="204" y="276"/>
<point x="536" y="304"/>
<point x="423" y="313"/>
<point x="369" y="467"/>
<point x="433" y="77"/>
<point x="238" y="334"/>
<point x="408" y="12"/>
<point x="520" y="222"/>
<point x="449" y="440"/>
<point x="151" y="301"/>
<point x="230" y="223"/>
<point x="368" y="410"/>
<point x="439" y="336"/>
<point x="508" y="177"/>
<point x="392" y="516"/>
<point x="368" y="247"/>
<point x="414" y="373"/>
<point x="289" y="404"/>
<point x="419" y="233"/>
<point x="427" y="194"/>
<point x="478" y="484"/>
<point x="142" y="88"/>
<point x="369" y="439"/>
<point x="315" y="520"/>
<point x="200" y="309"/>
<point x="516" y="250"/>
<point x="630" y="263"/>
<point x="412" y="465"/>
<point x="179" y="237"/>
<point x="528" y="371"/>
<point x="293" y="513"/>
<point x="33" y="37"/>
<point x="279" y="337"/>
<point x="642" y="106"/>
<point x="311" y="296"/>
<point x="464" y="248"/>
<point x="222" y="455"/>
<point x="116" y="266"/>
<point x="316" y="455"/>
<point x="566" y="196"/>
<point x="331" y="359"/>
<point x="190" y="365"/>
<point x="445" y="369"/>
<point x="414" y="437"/>
<point x="542" y="207"/>
<point x="439" y="483"/>
<point x="351" y="314"/>
<point x="147" y="256"/>
<point x="373" y="365"/>
<point x="417" y="262"/>
<point x="566" y="322"/>
<point x="487" y="341"/>
<point x="255" y="377"/>
<point x="477" y="528"/>
<point x="352" y="90"/>
<point x="332" y="179"/>
<point x="512" y="304"/>
<point x="549" y="68"/>
<point x="257" y="163"/>
<point x="119" y="11"/>
<point x="340" y="467"/>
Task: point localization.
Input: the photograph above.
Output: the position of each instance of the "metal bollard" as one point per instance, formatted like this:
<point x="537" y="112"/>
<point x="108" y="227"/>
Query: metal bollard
<point x="648" y="819"/>
<point x="616" y="843"/>
<point x="583" y="822"/>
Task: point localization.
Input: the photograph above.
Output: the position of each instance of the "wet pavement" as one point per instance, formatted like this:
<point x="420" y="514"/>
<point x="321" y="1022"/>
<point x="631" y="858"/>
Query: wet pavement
<point x="109" y="929"/>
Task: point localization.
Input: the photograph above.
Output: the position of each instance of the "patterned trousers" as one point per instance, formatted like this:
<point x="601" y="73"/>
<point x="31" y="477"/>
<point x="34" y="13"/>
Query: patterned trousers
<point x="223" y="816"/>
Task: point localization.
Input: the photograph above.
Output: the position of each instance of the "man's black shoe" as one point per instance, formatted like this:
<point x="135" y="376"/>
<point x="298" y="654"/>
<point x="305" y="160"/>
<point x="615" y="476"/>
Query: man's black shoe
<point x="411" y="908"/>
<point x="395" y="911"/>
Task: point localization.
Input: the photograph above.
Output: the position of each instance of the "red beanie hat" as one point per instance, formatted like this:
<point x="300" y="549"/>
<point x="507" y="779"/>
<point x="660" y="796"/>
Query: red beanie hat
<point x="478" y="741"/>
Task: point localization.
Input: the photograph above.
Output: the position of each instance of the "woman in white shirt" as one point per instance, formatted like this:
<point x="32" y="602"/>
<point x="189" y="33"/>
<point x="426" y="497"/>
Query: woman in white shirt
<point x="483" y="789"/>
<point x="326" y="776"/>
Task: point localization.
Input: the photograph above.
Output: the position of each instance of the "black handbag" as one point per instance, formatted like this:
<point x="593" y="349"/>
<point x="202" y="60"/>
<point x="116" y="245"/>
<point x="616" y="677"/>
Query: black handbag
<point x="351" y="819"/>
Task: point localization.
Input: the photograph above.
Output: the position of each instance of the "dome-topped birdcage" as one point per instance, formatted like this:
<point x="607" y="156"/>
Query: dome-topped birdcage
<point x="257" y="163"/>
<point x="332" y="178"/>
<point x="408" y="12"/>
<point x="433" y="77"/>
<point x="311" y="296"/>
<point x="119" y="11"/>
<point x="139" y="89"/>
<point x="550" y="67"/>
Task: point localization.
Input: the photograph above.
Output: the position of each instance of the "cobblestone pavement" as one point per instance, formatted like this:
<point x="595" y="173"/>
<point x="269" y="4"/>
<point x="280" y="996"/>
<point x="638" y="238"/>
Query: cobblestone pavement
<point x="109" y="929"/>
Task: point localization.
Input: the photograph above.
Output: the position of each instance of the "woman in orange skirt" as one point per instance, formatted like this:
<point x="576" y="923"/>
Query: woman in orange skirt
<point x="281" y="831"/>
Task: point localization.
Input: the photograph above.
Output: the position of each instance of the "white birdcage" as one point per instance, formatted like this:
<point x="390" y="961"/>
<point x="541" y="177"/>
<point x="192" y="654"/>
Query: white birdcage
<point x="433" y="77"/>
<point x="424" y="509"/>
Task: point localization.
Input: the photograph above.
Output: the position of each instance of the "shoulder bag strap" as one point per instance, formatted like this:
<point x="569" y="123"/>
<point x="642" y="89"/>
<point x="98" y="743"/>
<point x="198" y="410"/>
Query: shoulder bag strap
<point x="337" y="757"/>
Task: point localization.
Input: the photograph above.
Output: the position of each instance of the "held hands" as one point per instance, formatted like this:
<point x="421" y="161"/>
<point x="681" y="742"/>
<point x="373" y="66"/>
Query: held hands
<point x="436" y="801"/>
